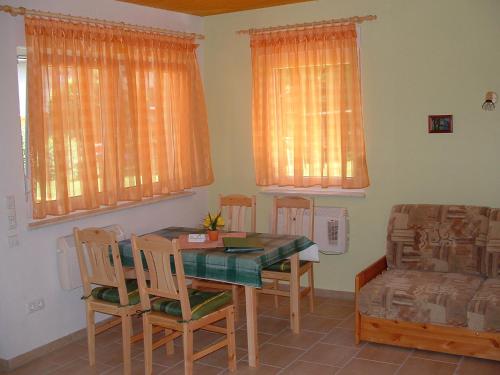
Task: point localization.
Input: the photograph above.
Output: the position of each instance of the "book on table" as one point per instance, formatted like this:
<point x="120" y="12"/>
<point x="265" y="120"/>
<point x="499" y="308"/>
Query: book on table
<point x="242" y="245"/>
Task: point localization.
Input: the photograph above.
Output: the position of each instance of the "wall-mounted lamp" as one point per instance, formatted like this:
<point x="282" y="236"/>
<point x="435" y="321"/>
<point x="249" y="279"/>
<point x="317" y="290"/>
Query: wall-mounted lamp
<point x="489" y="101"/>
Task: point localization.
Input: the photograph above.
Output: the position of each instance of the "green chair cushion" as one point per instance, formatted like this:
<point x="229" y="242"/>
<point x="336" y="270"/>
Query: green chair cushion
<point x="202" y="303"/>
<point x="110" y="294"/>
<point x="283" y="266"/>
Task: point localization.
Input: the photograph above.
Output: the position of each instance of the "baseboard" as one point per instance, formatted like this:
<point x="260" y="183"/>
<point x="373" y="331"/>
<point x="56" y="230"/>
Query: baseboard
<point x="338" y="294"/>
<point x="328" y="293"/>
<point x="4" y="365"/>
<point x="22" y="359"/>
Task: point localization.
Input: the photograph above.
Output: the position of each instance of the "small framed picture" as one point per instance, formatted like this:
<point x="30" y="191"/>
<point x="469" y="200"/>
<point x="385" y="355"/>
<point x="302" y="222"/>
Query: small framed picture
<point x="441" y="124"/>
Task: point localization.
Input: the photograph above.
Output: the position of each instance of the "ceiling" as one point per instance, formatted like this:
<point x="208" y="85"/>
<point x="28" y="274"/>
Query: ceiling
<point x="211" y="7"/>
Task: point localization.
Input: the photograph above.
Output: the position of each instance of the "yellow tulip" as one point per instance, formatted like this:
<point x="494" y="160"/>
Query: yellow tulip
<point x="207" y="221"/>
<point x="212" y="222"/>
<point x="220" y="221"/>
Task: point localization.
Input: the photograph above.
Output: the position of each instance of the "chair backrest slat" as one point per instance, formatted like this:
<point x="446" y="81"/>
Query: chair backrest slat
<point x="297" y="215"/>
<point x="235" y="208"/>
<point x="157" y="252"/>
<point x="99" y="260"/>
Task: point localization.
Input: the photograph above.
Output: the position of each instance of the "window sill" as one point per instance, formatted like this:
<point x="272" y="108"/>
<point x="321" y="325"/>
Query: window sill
<point x="314" y="191"/>
<point x="102" y="210"/>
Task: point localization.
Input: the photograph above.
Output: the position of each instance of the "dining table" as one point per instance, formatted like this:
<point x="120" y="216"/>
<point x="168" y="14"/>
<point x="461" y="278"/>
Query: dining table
<point x="239" y="268"/>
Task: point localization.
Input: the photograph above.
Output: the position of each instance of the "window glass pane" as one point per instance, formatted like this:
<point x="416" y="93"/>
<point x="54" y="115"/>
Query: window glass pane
<point x="21" y="79"/>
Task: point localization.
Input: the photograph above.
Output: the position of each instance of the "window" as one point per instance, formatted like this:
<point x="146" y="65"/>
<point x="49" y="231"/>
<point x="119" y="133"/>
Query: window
<point x="307" y="115"/>
<point x="324" y="114"/>
<point x="112" y="115"/>
<point x="21" y="78"/>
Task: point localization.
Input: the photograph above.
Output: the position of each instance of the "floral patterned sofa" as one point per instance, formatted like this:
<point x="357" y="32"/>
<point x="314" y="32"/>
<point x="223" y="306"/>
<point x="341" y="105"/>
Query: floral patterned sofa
<point x="438" y="287"/>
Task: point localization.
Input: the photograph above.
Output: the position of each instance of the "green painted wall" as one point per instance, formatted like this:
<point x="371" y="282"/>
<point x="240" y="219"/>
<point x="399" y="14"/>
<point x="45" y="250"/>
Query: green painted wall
<point x="420" y="57"/>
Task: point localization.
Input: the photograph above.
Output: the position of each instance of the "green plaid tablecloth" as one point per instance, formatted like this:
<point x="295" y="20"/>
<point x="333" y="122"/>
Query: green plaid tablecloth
<point x="215" y="264"/>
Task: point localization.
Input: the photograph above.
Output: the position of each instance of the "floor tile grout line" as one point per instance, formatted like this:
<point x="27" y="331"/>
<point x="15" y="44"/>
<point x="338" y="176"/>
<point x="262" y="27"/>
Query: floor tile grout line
<point x="404" y="362"/>
<point x="321" y="342"/>
<point x="459" y="364"/>
<point x="435" y="360"/>
<point x="361" y="346"/>
<point x="284" y="346"/>
<point x="298" y="347"/>
<point x="376" y="361"/>
<point x="352" y="357"/>
<point x="112" y="368"/>
<point x="58" y="367"/>
<point x="316" y="363"/>
<point x="432" y="360"/>
<point x="298" y="358"/>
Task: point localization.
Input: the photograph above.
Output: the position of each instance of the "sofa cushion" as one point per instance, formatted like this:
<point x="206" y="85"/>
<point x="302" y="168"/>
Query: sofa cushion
<point x="484" y="309"/>
<point x="438" y="238"/>
<point x="419" y="296"/>
<point x="493" y="244"/>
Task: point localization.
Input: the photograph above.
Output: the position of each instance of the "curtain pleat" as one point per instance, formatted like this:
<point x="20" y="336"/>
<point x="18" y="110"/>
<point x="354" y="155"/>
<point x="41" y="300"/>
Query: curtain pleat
<point x="114" y="115"/>
<point x="306" y="108"/>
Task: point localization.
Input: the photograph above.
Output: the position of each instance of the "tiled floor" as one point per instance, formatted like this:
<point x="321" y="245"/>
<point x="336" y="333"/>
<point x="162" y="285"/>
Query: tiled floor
<point x="325" y="346"/>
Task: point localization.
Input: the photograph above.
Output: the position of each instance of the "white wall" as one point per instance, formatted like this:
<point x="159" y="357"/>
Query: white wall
<point x="29" y="271"/>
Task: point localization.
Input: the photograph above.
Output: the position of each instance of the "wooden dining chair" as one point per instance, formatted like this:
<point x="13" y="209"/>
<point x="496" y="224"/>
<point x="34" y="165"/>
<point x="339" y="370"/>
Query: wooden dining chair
<point x="293" y="221"/>
<point x="179" y="310"/>
<point x="234" y="209"/>
<point x="114" y="295"/>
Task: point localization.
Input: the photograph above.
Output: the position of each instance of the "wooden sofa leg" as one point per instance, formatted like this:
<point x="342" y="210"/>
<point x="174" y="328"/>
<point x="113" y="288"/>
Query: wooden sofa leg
<point x="357" y="332"/>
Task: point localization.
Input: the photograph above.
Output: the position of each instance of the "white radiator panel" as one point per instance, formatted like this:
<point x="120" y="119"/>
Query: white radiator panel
<point x="331" y="229"/>
<point x="67" y="260"/>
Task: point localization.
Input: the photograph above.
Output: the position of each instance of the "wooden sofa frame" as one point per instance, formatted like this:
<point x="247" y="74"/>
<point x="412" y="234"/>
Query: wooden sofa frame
<point x="439" y="338"/>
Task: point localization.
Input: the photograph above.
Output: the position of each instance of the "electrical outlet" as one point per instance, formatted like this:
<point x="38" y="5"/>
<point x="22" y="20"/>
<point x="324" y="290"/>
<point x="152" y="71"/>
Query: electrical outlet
<point x="13" y="240"/>
<point x="12" y="220"/>
<point x="10" y="202"/>
<point x="35" y="305"/>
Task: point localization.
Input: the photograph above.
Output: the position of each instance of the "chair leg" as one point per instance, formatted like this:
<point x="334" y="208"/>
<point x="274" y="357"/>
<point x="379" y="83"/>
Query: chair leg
<point x="276" y="285"/>
<point x="148" y="345"/>
<point x="231" y="340"/>
<point x="91" y="335"/>
<point x="310" y="276"/>
<point x="169" y="346"/>
<point x="187" y="338"/>
<point x="127" y="344"/>
<point x="235" y="293"/>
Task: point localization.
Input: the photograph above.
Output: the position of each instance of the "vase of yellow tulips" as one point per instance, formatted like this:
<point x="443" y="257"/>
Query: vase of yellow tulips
<point x="212" y="223"/>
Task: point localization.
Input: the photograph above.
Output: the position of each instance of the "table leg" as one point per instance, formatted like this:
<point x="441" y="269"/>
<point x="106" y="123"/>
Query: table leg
<point x="294" y="294"/>
<point x="251" y="308"/>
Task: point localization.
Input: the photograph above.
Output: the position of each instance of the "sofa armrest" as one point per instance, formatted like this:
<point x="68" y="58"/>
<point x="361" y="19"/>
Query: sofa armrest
<point x="370" y="273"/>
<point x="363" y="278"/>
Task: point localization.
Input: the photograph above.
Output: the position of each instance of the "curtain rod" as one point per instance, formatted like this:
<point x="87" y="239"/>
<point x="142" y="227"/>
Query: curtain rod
<point x="21" y="11"/>
<point x="356" y="19"/>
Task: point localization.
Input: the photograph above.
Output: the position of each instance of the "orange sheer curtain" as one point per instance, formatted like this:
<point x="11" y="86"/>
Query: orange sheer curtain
<point x="114" y="115"/>
<point x="307" y="118"/>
